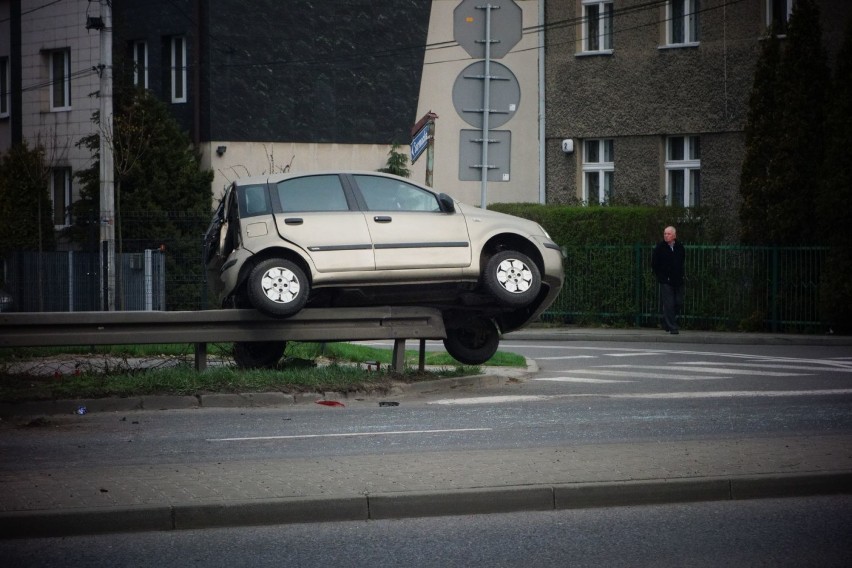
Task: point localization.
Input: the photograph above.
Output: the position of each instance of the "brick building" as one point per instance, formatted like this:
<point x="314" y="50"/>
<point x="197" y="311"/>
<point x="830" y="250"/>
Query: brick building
<point x="654" y="97"/>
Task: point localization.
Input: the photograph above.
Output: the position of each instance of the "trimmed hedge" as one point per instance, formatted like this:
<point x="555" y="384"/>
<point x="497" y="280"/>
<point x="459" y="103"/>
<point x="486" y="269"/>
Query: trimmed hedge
<point x="571" y="226"/>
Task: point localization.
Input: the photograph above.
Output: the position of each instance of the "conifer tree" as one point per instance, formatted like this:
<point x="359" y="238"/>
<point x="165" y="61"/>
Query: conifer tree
<point x="761" y="133"/>
<point x="833" y="205"/>
<point x="26" y="210"/>
<point x="165" y="196"/>
<point x="785" y="148"/>
<point x="800" y="150"/>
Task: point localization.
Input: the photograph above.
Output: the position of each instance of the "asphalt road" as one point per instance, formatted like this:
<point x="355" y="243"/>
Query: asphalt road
<point x="583" y="394"/>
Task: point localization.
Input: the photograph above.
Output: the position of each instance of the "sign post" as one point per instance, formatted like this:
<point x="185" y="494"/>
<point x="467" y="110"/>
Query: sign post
<point x="486" y="31"/>
<point x="423" y="138"/>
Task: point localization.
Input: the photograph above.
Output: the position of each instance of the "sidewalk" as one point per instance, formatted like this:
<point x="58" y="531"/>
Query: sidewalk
<point x="200" y="495"/>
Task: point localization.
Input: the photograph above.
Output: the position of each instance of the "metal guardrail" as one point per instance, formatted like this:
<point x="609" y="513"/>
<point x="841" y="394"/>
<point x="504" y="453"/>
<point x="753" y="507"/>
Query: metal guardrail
<point x="43" y="329"/>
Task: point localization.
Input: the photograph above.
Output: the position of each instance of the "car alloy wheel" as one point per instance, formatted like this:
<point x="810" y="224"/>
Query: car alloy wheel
<point x="512" y="278"/>
<point x="278" y="287"/>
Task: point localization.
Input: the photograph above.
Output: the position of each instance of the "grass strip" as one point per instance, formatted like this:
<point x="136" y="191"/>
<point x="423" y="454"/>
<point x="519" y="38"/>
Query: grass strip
<point x="169" y="370"/>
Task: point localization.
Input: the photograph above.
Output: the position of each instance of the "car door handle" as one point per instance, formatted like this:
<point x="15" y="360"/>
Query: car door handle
<point x="293" y="221"/>
<point x="382" y="219"/>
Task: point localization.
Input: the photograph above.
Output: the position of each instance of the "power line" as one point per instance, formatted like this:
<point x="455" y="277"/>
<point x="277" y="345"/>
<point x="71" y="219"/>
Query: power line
<point x="394" y="51"/>
<point x="36" y="9"/>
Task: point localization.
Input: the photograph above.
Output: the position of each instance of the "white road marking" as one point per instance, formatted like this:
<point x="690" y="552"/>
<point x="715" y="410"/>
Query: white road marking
<point x="653" y="395"/>
<point x="566" y="357"/>
<point x="633" y="354"/>
<point x="816" y="367"/>
<point x="580" y="380"/>
<point x="708" y="370"/>
<point x="638" y="375"/>
<point x="734" y="394"/>
<point x="492" y="399"/>
<point x="347" y="435"/>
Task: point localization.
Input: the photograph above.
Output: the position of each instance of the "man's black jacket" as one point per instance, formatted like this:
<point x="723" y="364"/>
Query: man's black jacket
<point x="667" y="263"/>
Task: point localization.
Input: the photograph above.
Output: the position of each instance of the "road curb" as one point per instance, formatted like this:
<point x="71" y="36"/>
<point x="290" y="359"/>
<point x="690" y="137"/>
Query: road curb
<point x="474" y="501"/>
<point x="494" y="376"/>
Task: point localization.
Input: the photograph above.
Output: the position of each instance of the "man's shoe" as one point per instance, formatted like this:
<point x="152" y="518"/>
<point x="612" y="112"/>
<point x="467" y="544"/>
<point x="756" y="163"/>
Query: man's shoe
<point x="674" y="332"/>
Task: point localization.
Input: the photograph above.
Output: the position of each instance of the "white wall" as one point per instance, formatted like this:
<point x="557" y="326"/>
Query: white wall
<point x="440" y="70"/>
<point x="244" y="159"/>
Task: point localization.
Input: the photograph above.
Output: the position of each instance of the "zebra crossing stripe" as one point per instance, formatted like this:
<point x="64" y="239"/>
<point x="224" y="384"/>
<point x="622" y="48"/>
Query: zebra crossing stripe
<point x="580" y="380"/>
<point x="648" y="396"/>
<point x="711" y="370"/>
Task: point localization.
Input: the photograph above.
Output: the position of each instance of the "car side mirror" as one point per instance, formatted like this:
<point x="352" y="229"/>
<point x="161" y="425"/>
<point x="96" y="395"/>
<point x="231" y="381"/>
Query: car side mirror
<point x="446" y="203"/>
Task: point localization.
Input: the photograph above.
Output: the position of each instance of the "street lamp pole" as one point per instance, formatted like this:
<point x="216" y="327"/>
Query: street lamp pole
<point x="107" y="182"/>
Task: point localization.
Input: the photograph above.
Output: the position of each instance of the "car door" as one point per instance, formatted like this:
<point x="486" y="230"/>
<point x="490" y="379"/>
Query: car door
<point x="408" y="228"/>
<point x="314" y="213"/>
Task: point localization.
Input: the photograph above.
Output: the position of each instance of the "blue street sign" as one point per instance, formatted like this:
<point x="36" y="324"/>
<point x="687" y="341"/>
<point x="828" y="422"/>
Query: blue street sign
<point x="419" y="143"/>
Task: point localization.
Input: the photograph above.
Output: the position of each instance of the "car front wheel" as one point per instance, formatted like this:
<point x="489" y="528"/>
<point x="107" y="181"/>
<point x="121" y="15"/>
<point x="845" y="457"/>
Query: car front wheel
<point x="473" y="344"/>
<point x="512" y="278"/>
<point x="278" y="287"/>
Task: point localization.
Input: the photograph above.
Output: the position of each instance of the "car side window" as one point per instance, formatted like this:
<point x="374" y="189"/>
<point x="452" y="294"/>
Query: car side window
<point x="254" y="201"/>
<point x="388" y="194"/>
<point x="312" y="193"/>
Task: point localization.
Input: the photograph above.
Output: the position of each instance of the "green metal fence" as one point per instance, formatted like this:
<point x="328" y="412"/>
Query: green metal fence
<point x="727" y="287"/>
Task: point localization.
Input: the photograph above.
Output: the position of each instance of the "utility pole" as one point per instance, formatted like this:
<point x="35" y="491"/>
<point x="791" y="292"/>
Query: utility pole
<point x="107" y="182"/>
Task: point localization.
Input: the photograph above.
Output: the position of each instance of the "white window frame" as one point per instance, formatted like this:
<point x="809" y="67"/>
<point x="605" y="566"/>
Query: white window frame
<point x="60" y="85"/>
<point x="597" y="40"/>
<point x="772" y="17"/>
<point x="178" y="67"/>
<point x="140" y="64"/>
<point x="599" y="165"/>
<point x="5" y="95"/>
<point x="685" y="165"/>
<point x="61" y="196"/>
<point x="689" y="21"/>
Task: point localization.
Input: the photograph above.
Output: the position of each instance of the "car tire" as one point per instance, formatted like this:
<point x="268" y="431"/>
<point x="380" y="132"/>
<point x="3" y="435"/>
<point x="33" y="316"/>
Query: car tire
<point x="258" y="354"/>
<point x="474" y="344"/>
<point x="512" y="278"/>
<point x="278" y="287"/>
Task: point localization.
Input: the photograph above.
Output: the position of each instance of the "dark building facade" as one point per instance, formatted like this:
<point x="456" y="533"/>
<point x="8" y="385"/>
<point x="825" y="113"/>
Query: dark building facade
<point x="296" y="71"/>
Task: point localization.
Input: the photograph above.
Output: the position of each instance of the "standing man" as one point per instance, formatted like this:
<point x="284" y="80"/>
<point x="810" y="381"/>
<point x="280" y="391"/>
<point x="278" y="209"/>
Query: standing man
<point x="667" y="263"/>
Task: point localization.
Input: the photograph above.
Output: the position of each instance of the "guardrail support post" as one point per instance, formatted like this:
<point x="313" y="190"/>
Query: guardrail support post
<point x="398" y="362"/>
<point x="200" y="356"/>
<point x="421" y="363"/>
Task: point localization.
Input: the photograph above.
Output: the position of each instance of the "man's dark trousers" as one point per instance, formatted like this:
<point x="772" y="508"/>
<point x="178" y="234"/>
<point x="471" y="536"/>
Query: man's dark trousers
<point x="671" y="297"/>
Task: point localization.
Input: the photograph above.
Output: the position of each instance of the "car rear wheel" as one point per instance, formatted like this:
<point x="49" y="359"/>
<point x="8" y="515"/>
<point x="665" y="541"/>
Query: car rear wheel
<point x="278" y="287"/>
<point x="258" y="354"/>
<point x="512" y="278"/>
<point x="473" y="344"/>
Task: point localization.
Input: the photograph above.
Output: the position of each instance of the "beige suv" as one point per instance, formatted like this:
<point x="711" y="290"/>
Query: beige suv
<point x="344" y="239"/>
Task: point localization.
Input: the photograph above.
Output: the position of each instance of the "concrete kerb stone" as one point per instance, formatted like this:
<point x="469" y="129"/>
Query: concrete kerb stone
<point x="271" y="512"/>
<point x="70" y="522"/>
<point x="461" y="502"/>
<point x="254" y="400"/>
<point x="640" y="492"/>
<point x="169" y="402"/>
<point x="791" y="485"/>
